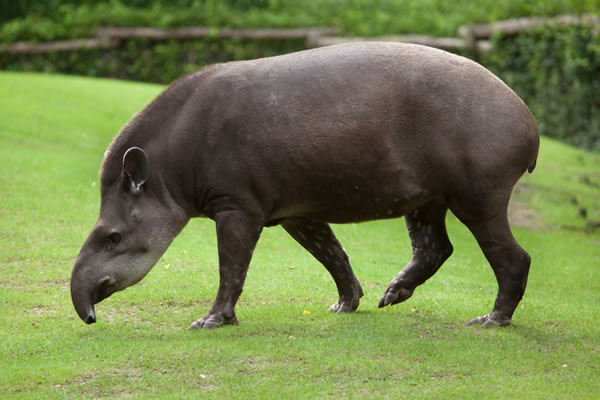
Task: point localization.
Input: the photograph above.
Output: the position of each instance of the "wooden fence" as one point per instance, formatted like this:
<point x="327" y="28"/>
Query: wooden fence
<point x="475" y="38"/>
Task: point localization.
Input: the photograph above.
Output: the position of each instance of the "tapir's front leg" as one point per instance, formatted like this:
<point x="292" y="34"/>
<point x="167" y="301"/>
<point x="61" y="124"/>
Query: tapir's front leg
<point x="237" y="234"/>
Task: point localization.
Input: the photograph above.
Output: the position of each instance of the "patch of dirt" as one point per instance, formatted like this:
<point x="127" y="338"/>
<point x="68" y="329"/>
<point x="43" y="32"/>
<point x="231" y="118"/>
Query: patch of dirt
<point x="586" y="180"/>
<point x="519" y="214"/>
<point x="28" y="285"/>
<point x="440" y="376"/>
<point x="92" y="386"/>
<point x="14" y="284"/>
<point x="41" y="309"/>
<point x="60" y="283"/>
<point x="371" y="284"/>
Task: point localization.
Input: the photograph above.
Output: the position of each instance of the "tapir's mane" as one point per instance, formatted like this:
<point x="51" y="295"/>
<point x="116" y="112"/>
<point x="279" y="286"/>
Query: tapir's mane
<point x="129" y="135"/>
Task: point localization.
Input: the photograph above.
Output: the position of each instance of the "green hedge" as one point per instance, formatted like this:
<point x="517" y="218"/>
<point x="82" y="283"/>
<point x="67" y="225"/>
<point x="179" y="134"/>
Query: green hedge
<point x="60" y="19"/>
<point x="148" y="60"/>
<point x="557" y="72"/>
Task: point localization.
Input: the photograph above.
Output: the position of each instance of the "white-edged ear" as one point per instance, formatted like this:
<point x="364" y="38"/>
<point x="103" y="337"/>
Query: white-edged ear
<point x="136" y="169"/>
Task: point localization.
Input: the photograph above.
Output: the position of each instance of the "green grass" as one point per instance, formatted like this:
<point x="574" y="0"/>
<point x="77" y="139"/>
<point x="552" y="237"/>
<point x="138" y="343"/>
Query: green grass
<point x="53" y="132"/>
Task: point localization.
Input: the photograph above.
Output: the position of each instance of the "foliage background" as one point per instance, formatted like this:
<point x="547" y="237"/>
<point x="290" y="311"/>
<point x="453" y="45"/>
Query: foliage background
<point x="59" y="19"/>
<point x="555" y="70"/>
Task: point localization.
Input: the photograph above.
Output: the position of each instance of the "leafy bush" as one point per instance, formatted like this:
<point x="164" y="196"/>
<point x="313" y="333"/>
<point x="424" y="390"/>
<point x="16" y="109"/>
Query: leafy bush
<point x="62" y="19"/>
<point x="557" y="72"/>
<point x="148" y="60"/>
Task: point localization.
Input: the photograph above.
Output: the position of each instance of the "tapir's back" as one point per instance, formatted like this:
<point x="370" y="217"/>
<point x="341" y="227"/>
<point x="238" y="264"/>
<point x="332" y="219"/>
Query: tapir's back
<point x="367" y="93"/>
<point x="365" y="114"/>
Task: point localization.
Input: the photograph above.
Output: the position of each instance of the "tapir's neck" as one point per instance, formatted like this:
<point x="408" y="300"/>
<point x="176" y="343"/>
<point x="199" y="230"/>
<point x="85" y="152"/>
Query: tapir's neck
<point x="158" y="130"/>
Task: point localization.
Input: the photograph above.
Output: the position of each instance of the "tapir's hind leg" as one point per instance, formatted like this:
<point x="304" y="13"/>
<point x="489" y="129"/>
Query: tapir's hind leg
<point x="430" y="248"/>
<point x="319" y="240"/>
<point x="509" y="262"/>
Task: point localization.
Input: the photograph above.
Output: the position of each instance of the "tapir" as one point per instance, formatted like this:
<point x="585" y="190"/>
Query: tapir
<point x="339" y="134"/>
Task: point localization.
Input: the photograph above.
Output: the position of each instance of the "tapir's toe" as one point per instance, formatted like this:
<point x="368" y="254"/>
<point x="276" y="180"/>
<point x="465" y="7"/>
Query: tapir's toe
<point x="343" y="307"/>
<point x="203" y="324"/>
<point x="210" y="321"/>
<point x="394" y="295"/>
<point x="490" y="320"/>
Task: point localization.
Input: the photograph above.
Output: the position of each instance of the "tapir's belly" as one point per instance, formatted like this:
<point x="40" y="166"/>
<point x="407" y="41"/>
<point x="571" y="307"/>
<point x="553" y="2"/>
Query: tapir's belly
<point x="355" y="205"/>
<point x="366" y="184"/>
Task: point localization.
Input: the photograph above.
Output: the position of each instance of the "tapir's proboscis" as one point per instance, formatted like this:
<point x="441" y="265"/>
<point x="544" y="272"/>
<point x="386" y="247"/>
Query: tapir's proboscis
<point x="339" y="134"/>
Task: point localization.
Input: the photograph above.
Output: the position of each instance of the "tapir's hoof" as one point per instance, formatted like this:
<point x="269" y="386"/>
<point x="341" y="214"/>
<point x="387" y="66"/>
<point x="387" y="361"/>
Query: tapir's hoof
<point x="490" y="320"/>
<point x="394" y="296"/>
<point x="344" y="306"/>
<point x="210" y="321"/>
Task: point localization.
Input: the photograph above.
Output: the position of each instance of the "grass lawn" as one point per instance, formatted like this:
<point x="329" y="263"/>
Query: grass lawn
<point x="53" y="132"/>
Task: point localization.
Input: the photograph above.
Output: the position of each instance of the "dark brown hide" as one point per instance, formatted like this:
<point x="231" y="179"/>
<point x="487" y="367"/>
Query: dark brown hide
<point x="339" y="134"/>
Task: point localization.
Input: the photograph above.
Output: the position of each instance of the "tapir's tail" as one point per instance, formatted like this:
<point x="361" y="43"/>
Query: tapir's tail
<point x="532" y="165"/>
<point x="536" y="143"/>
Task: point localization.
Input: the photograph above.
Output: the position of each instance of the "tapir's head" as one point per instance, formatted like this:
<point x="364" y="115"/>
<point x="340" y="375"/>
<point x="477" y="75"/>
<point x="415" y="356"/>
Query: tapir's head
<point x="138" y="220"/>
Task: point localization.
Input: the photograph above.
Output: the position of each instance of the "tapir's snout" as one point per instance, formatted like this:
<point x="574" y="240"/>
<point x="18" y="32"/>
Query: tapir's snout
<point x="86" y="292"/>
<point x="82" y="298"/>
<point x="91" y="318"/>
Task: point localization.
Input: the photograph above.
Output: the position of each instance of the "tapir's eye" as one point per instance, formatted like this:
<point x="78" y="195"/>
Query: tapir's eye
<point x="112" y="240"/>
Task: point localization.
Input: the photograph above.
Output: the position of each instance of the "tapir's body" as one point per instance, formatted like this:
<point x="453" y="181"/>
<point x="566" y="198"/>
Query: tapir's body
<point x="346" y="133"/>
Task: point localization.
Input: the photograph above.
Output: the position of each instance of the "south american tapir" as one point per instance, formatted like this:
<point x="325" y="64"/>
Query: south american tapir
<point x="339" y="134"/>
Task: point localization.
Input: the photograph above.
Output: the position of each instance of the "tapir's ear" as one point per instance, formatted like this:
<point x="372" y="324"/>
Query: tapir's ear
<point x="135" y="168"/>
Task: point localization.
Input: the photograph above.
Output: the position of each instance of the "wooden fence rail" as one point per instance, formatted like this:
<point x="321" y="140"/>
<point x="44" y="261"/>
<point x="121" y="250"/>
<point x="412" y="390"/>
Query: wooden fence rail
<point x="200" y="32"/>
<point x="60" y="45"/>
<point x="111" y="37"/>
<point x="471" y="37"/>
<point x="518" y="25"/>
